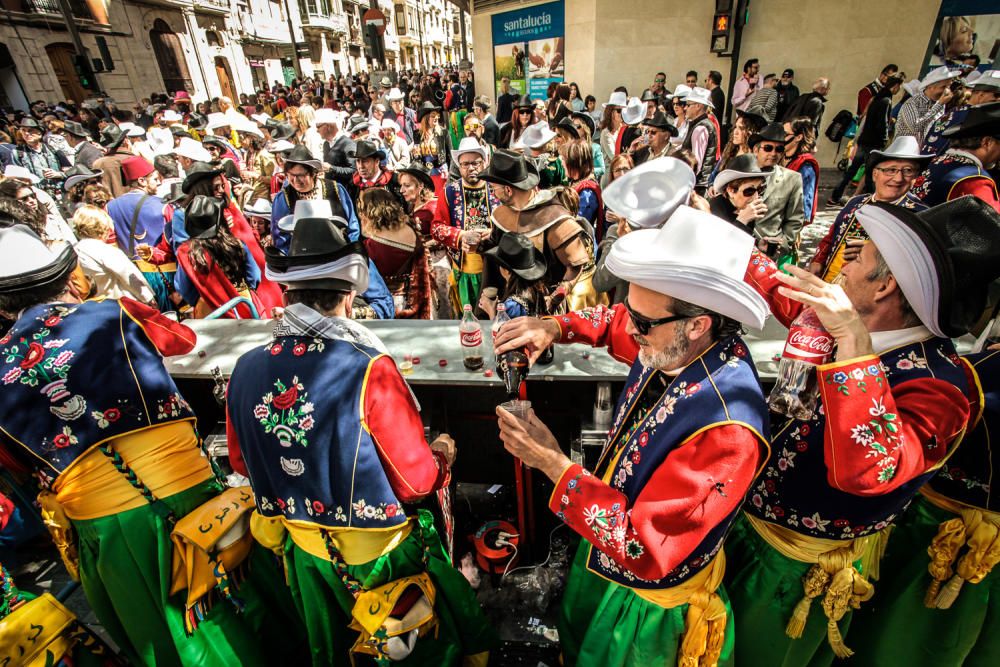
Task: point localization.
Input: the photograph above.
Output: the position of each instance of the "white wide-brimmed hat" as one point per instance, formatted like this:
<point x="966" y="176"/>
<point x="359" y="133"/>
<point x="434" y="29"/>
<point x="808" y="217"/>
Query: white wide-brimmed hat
<point x="131" y="130"/>
<point x="536" y="136"/>
<point x="695" y="257"/>
<point x="217" y="120"/>
<point x="470" y="145"/>
<point x="389" y="124"/>
<point x="988" y="80"/>
<point x="171" y="116"/>
<point x="647" y="195"/>
<point x="20" y="174"/>
<point x="261" y="118"/>
<point x="27" y="262"/>
<point x="247" y="126"/>
<point x="326" y="116"/>
<point x="901" y="148"/>
<point x="193" y="150"/>
<point x="912" y="87"/>
<point x="682" y="91"/>
<point x="938" y="75"/>
<point x="617" y="99"/>
<point x="394" y="94"/>
<point x="280" y="146"/>
<point x="634" y="111"/>
<point x="699" y="95"/>
<point x="260" y="208"/>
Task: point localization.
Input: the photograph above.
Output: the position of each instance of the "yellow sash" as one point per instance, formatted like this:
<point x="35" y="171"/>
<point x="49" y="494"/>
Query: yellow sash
<point x="146" y="267"/>
<point x="35" y="630"/>
<point x="977" y="530"/>
<point x="472" y="262"/>
<point x="356" y="545"/>
<point x="832" y="575"/>
<point x="705" y="621"/>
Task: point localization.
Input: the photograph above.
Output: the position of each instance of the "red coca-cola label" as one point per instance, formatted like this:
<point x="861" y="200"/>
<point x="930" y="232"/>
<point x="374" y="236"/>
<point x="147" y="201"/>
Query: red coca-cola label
<point x="472" y="338"/>
<point x="808" y="344"/>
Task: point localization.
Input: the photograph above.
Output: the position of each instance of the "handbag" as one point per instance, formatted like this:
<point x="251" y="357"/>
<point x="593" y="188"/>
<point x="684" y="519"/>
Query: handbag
<point x="41" y="632"/>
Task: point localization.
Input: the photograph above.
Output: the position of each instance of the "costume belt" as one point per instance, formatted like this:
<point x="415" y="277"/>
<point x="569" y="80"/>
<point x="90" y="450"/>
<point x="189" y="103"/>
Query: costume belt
<point x="472" y="262"/>
<point x="356" y="545"/>
<point x="705" y="621"/>
<point x="833" y="574"/>
<point x="146" y="267"/>
<point x="976" y="529"/>
<point x="167" y="458"/>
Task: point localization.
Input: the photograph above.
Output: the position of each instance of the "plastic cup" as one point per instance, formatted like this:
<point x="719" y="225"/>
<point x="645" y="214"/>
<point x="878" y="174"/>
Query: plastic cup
<point x="517" y="408"/>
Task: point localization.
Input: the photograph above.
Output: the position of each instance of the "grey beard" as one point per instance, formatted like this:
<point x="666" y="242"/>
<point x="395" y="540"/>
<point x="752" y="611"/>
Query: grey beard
<point x="669" y="358"/>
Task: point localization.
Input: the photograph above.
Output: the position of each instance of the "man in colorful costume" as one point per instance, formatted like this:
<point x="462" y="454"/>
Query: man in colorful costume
<point x="892" y="171"/>
<point x="939" y="595"/>
<point x="462" y="221"/>
<point x="892" y="407"/>
<point x="961" y="170"/>
<point x="536" y="213"/>
<point x="331" y="438"/>
<point x="690" y="434"/>
<point x="88" y="404"/>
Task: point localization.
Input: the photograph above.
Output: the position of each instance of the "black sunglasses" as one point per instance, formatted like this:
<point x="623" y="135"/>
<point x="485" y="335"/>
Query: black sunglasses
<point x="770" y="148"/>
<point x="751" y="190"/>
<point x="644" y="324"/>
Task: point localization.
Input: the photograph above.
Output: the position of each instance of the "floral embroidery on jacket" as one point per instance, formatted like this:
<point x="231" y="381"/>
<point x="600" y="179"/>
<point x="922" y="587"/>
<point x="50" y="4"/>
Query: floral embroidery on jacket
<point x="287" y="413"/>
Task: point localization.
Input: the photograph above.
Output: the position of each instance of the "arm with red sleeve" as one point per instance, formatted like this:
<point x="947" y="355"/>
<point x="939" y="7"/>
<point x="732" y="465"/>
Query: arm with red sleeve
<point x="442" y="230"/>
<point x="980" y="186"/>
<point x="760" y="276"/>
<point x="879" y="438"/>
<point x="676" y="509"/>
<point x="391" y="417"/>
<point x="599" y="326"/>
<point x="826" y="243"/>
<point x="169" y="337"/>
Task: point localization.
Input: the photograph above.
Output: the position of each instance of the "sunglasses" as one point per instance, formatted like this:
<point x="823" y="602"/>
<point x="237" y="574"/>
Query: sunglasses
<point x="524" y="112"/>
<point x="752" y="190"/>
<point x="769" y="148"/>
<point x="643" y="324"/>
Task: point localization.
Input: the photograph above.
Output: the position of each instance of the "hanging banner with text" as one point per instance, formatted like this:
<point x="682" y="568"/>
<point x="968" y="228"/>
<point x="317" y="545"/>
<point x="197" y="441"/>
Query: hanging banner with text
<point x="529" y="48"/>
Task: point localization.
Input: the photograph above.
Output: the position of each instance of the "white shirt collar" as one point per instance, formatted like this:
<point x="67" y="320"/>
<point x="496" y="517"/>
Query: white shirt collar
<point x="883" y="341"/>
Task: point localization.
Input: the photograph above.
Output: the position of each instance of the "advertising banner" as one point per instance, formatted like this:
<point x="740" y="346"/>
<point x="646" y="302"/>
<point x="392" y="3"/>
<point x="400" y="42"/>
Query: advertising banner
<point x="966" y="35"/>
<point x="529" y="48"/>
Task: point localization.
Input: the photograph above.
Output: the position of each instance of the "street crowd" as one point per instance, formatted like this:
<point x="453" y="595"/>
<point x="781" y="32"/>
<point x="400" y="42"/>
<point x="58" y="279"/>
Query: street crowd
<point x="655" y="224"/>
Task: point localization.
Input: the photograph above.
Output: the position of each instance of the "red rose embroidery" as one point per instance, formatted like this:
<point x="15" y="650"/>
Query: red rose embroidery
<point x="804" y="429"/>
<point x="52" y="320"/>
<point x="280" y="503"/>
<point x="112" y="414"/>
<point x="840" y="523"/>
<point x="801" y="445"/>
<point x="643" y="439"/>
<point x="35" y="354"/>
<point x="778" y="512"/>
<point x="391" y="509"/>
<point x="275" y="349"/>
<point x="299" y="350"/>
<point x="769" y="485"/>
<point x="286" y="399"/>
<point x="61" y="441"/>
<point x="318" y="507"/>
<point x="740" y="350"/>
<point x="691" y="389"/>
<point x="636" y="457"/>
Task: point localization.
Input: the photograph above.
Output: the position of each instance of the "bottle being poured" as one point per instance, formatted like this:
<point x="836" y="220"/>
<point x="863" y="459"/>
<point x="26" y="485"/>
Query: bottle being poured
<point x="512" y="368"/>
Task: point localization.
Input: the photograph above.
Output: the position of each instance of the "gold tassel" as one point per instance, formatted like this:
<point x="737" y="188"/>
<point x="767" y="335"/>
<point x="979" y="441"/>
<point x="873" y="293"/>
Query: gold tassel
<point x="813" y="584"/>
<point x="943" y="550"/>
<point x="797" y="623"/>
<point x="947" y="595"/>
<point x="716" y="640"/>
<point x="836" y="640"/>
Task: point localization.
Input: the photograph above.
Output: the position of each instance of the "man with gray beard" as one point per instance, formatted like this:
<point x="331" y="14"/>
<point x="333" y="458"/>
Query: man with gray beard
<point x="689" y="432"/>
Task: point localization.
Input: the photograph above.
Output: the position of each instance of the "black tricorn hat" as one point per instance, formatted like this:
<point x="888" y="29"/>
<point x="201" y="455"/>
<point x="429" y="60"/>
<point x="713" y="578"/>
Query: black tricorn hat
<point x="511" y="169"/>
<point x="202" y="216"/>
<point x="525" y="101"/>
<point x="197" y="120"/>
<point x="660" y="121"/>
<point x="282" y="131"/>
<point x="199" y="171"/>
<point x="982" y="121"/>
<point x="426" y="108"/>
<point x="517" y="253"/>
<point x="365" y="149"/>
<point x="112" y="137"/>
<point x="946" y="255"/>
<point x="422" y="177"/>
<point x="773" y="132"/>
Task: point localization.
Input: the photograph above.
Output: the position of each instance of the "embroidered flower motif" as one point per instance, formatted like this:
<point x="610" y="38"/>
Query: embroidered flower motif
<point x="52" y="320"/>
<point x="862" y="435"/>
<point x="318" y="507"/>
<point x="636" y="456"/>
<point x="692" y="388"/>
<point x="55" y="343"/>
<point x="12" y="375"/>
<point x="292" y="467"/>
<point x="260" y="411"/>
<point x="276" y="349"/>
<point x="873" y="370"/>
<point x="65" y="439"/>
<point x="858" y="374"/>
<point x="740" y="350"/>
<point x="284" y="415"/>
<point x="757" y="500"/>
<point x="840" y="377"/>
<point x="112" y="414"/>
<point x="804" y="429"/>
<point x="33" y="356"/>
<point x="643" y="439"/>
<point x="633" y="549"/>
<point x="904" y="364"/>
<point x="595" y="514"/>
<point x="391" y="509"/>
<point x="815" y="522"/>
<point x="299" y="349"/>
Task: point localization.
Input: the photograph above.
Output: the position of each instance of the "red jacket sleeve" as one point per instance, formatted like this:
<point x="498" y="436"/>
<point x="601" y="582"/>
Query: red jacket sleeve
<point x="391" y="417"/>
<point x="6" y="509"/>
<point x="442" y="230"/>
<point x="169" y="337"/>
<point x="760" y="276"/>
<point x="676" y="509"/>
<point x="878" y="438"/>
<point x="599" y="326"/>
<point x="233" y="445"/>
<point x="984" y="188"/>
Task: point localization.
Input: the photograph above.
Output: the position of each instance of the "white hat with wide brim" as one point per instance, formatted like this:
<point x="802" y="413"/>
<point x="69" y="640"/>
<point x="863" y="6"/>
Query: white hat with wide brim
<point x="902" y="148"/>
<point x="938" y="75"/>
<point x="536" y="136"/>
<point x="20" y="174"/>
<point x="647" y="195"/>
<point x="695" y="257"/>
<point x="193" y="150"/>
<point x="634" y="112"/>
<point x="617" y="99"/>
<point x="470" y="145"/>
<point x="700" y="95"/>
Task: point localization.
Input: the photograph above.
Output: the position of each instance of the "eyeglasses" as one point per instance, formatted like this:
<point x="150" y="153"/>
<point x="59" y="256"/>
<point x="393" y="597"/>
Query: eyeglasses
<point x="28" y="197"/>
<point x="659" y="80"/>
<point x="471" y="164"/>
<point x="892" y="172"/>
<point x="297" y="175"/>
<point x="643" y="324"/>
<point x="751" y="190"/>
<point x="769" y="148"/>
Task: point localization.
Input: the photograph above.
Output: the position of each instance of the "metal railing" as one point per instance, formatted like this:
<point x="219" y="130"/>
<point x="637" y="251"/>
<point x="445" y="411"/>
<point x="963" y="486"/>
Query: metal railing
<point x="78" y="7"/>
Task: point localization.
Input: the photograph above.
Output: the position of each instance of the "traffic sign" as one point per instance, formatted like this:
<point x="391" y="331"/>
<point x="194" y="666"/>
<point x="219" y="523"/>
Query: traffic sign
<point x="376" y="18"/>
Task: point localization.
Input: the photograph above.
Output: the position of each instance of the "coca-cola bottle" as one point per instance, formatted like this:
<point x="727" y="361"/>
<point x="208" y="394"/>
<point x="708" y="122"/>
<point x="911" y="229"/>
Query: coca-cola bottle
<point x="471" y="335"/>
<point x="797" y="388"/>
<point x="501" y="319"/>
<point x="512" y="367"/>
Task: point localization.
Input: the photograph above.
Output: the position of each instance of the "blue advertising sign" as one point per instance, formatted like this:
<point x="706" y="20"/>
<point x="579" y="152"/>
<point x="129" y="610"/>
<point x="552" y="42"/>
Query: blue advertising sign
<point x="529" y="47"/>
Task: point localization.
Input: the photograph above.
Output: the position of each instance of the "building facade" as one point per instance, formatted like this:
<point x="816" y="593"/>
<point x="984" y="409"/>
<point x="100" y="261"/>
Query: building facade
<point x="430" y="33"/>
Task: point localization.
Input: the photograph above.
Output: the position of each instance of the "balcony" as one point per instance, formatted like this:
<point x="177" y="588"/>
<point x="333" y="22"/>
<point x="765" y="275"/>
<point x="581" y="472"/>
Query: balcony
<point x="79" y="8"/>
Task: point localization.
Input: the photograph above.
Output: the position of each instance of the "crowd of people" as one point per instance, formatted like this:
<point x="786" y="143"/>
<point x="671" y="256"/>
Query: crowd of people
<point x="653" y="224"/>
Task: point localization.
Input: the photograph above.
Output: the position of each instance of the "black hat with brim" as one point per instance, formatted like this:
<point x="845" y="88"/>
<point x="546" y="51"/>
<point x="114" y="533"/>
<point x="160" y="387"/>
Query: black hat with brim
<point x="660" y="121"/>
<point x="587" y="120"/>
<point x="365" y="149"/>
<point x="79" y="173"/>
<point x="282" y="131"/>
<point x="215" y="141"/>
<point x="753" y="117"/>
<point x="179" y="131"/>
<point x="420" y="175"/>
<point x="301" y="155"/>
<point x="567" y="124"/>
<point x="199" y="171"/>
<point x="176" y="193"/>
<point x="982" y="121"/>
<point x="112" y="137"/>
<point x="946" y="255"/>
<point x="426" y="108"/>
<point x="76" y="129"/>
<point x="510" y="169"/>
<point x="314" y="243"/>
<point x="197" y="120"/>
<point x="202" y="216"/>
<point x="517" y="253"/>
<point x="649" y="96"/>
<point x="773" y="132"/>
<point x="525" y="102"/>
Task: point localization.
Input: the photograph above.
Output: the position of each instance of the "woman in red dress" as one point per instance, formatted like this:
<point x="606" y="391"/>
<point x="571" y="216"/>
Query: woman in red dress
<point x="417" y="189"/>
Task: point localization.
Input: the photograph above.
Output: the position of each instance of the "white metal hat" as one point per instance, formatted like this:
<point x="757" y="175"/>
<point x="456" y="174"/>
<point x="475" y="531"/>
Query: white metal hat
<point x="617" y="99"/>
<point x="938" y="75"/>
<point x="695" y="257"/>
<point x="699" y="95"/>
<point x="647" y="195"/>
<point x="193" y="150"/>
<point x="634" y="111"/>
<point x="471" y="145"/>
<point x="19" y="173"/>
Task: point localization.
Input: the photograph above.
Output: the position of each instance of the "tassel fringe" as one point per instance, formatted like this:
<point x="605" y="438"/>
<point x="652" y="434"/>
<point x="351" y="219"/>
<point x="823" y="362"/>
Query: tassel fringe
<point x="949" y="593"/>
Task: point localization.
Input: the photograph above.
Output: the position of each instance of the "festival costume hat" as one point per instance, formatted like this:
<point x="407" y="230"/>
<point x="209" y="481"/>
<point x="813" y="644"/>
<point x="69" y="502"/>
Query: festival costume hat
<point x="567" y="124"/>
<point x="426" y="108"/>
<point x="301" y="155"/>
<point x="912" y="87"/>
<point x="586" y="119"/>
<point x="76" y="129"/>
<point x="136" y="167"/>
<point x="29" y="124"/>
<point x="661" y="121"/>
<point x="282" y="131"/>
<point x="695" y="257"/>
<point x="19" y="173"/>
<point x="365" y="149"/>
<point x="199" y="171"/>
<point x="394" y="94"/>
<point x="982" y="121"/>
<point x="171" y="192"/>
<point x="470" y="145"/>
<point x="132" y="130"/>
<point x="510" y="169"/>
<point x="179" y="131"/>
<point x="740" y="167"/>
<point x="326" y="116"/>
<point x="262" y="118"/>
<point x="197" y="120"/>
<point x="634" y="111"/>
<point x="901" y="148"/>
<point x="192" y="150"/>
<point x="525" y="102"/>
<point x="319" y="254"/>
<point x="517" y="253"/>
<point x="202" y="217"/>
<point x="617" y="99"/>
<point x="699" y="95"/>
<point x="390" y="124"/>
<point x="171" y="116"/>
<point x="111" y="137"/>
<point x="536" y="136"/>
<point x="181" y="96"/>
<point x="247" y="126"/>
<point x="758" y="121"/>
<point x="943" y="258"/>
<point x="938" y="75"/>
<point x="260" y="208"/>
<point x="988" y="80"/>
<point x="280" y="146"/>
<point x="773" y="132"/>
<point x="681" y="92"/>
<point x="217" y="120"/>
<point x="649" y="96"/>
<point x="357" y="124"/>
<point x="649" y="194"/>
<point x="213" y="140"/>
<point x="421" y="176"/>
<point x="27" y="263"/>
<point x="79" y="173"/>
